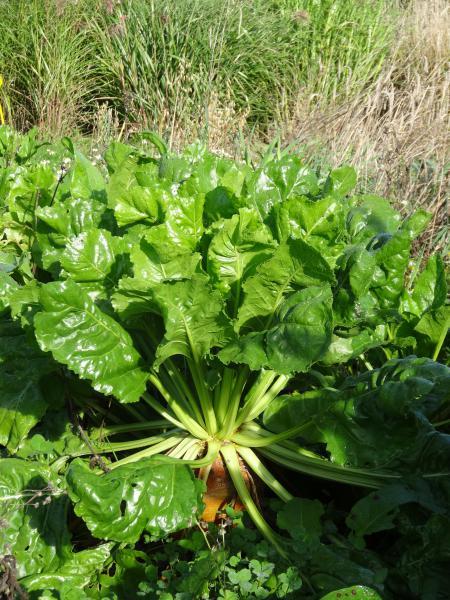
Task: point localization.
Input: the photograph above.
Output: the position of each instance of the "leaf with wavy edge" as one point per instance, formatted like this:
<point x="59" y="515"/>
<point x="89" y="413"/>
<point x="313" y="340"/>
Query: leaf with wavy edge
<point x="89" y="342"/>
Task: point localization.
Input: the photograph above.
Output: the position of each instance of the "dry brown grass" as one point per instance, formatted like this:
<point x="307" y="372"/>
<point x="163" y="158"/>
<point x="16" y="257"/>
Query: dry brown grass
<point x="397" y="133"/>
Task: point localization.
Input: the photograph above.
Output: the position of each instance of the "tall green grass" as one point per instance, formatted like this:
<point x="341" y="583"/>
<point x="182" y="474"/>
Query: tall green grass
<point x="169" y="64"/>
<point x="47" y="59"/>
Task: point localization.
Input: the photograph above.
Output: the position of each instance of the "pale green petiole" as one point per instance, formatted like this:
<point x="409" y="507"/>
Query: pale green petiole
<point x="223" y="395"/>
<point x="256" y="407"/>
<point x="320" y="467"/>
<point x="156" y="449"/>
<point x="203" y="395"/>
<point x="233" y="404"/>
<point x="257" y="391"/>
<point x="101" y="447"/>
<point x="187" y="421"/>
<point x="263" y="473"/>
<point x="159" y="408"/>
<point x="231" y="459"/>
<point x="98" y="433"/>
<point x="266" y="438"/>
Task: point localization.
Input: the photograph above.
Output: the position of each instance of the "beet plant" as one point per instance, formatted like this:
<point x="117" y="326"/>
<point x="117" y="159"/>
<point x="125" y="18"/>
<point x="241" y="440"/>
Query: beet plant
<point x="187" y="311"/>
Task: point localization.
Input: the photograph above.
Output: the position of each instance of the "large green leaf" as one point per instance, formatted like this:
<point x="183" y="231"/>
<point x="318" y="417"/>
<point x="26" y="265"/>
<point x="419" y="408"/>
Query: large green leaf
<point x="392" y="258"/>
<point x="320" y="222"/>
<point x="293" y="265"/>
<point x="378" y="510"/>
<point x="92" y="256"/>
<point x="274" y="182"/>
<point x="89" y="342"/>
<point x="34" y="527"/>
<point x="435" y="324"/>
<point x="303" y="333"/>
<point x="343" y="349"/>
<point x="302" y="518"/>
<point x="299" y="336"/>
<point x="372" y="216"/>
<point x="235" y="251"/>
<point x="193" y="316"/>
<point x="131" y="201"/>
<point x="213" y="176"/>
<point x="151" y="268"/>
<point x="116" y="153"/>
<point x="145" y="496"/>
<point x="134" y="295"/>
<point x="85" y="180"/>
<point x="430" y="288"/>
<point x="7" y="285"/>
<point x="73" y="575"/>
<point x="341" y="181"/>
<point x="22" y="387"/>
<point x="182" y="228"/>
<point x="59" y="223"/>
<point x="380" y="419"/>
<point x="31" y="189"/>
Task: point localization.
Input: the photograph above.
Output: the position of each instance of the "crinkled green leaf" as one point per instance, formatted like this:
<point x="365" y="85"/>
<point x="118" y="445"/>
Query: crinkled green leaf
<point x="341" y="181"/>
<point x="430" y="288"/>
<point x="194" y="318"/>
<point x="76" y="572"/>
<point x="235" y="251"/>
<point x="249" y="349"/>
<point x="212" y="172"/>
<point x="91" y="256"/>
<point x="151" y="268"/>
<point x="360" y="265"/>
<point x="274" y="182"/>
<point x="7" y="285"/>
<point x="145" y="496"/>
<point x="89" y="342"/>
<point x="379" y="419"/>
<point x="22" y="393"/>
<point x="32" y="188"/>
<point x="303" y="333"/>
<point x="116" y="153"/>
<point x="59" y="223"/>
<point x="435" y="324"/>
<point x="392" y="258"/>
<point x="35" y="530"/>
<point x="343" y="349"/>
<point x="182" y="225"/>
<point x="371" y="217"/>
<point x="294" y="265"/>
<point x="320" y="222"/>
<point x="131" y="201"/>
<point x="85" y="179"/>
<point x="220" y="203"/>
<point x="299" y="336"/>
<point x="134" y="295"/>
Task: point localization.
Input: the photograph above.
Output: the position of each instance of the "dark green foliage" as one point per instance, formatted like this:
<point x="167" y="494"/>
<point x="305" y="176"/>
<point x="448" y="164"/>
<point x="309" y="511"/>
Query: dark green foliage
<point x="230" y="311"/>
